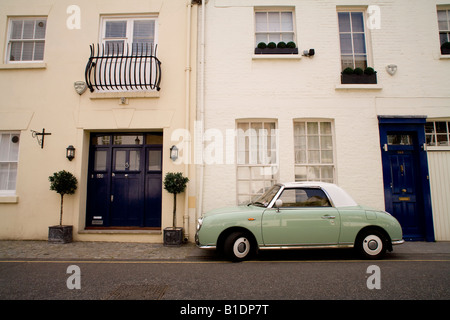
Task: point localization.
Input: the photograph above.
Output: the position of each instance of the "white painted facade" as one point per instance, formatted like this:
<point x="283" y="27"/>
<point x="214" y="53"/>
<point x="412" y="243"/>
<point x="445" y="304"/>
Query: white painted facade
<point x="39" y="93"/>
<point x="241" y="85"/>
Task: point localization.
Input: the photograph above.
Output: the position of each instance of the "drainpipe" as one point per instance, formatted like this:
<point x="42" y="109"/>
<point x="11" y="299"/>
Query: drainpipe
<point x="187" y="116"/>
<point x="202" y="108"/>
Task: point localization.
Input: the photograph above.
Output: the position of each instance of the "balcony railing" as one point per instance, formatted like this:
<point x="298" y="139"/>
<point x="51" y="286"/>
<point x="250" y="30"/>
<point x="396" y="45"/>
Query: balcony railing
<point x="116" y="67"/>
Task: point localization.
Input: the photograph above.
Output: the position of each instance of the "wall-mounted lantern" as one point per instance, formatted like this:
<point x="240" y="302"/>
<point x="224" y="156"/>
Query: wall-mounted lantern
<point x="70" y="152"/>
<point x="174" y="153"/>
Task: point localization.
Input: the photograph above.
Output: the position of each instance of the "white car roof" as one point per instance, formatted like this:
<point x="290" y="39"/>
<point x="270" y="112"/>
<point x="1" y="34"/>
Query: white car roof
<point x="338" y="196"/>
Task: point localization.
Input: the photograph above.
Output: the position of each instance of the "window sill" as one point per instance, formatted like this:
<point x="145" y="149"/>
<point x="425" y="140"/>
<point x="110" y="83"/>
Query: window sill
<point x="276" y="57"/>
<point x="9" y="199"/>
<point x="444" y="56"/>
<point x="124" y="94"/>
<point x="25" y="65"/>
<point x="358" y="87"/>
<point x="438" y="148"/>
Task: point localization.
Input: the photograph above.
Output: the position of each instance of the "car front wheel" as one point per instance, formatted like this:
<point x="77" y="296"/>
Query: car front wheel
<point x="238" y="246"/>
<point x="371" y="245"/>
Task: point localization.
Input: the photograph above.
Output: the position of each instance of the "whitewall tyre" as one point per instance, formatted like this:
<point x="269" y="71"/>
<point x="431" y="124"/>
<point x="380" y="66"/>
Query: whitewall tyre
<point x="371" y="245"/>
<point x="238" y="246"/>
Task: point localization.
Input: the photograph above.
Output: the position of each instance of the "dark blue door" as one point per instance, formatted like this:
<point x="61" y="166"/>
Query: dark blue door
<point x="125" y="181"/>
<point x="153" y="185"/>
<point x="402" y="191"/>
<point x="99" y="181"/>
<point x="405" y="176"/>
<point x="127" y="205"/>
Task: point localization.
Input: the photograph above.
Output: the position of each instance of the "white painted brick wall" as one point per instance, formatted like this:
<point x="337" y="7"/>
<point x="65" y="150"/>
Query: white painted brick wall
<point x="238" y="86"/>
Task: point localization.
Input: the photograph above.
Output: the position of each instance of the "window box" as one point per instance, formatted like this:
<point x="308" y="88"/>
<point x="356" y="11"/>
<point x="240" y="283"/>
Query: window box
<point x="359" y="76"/>
<point x="358" y="79"/>
<point x="276" y="51"/>
<point x="273" y="48"/>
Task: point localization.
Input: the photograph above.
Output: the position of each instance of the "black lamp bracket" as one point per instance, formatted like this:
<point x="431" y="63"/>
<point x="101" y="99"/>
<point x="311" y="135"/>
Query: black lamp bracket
<point x="42" y="135"/>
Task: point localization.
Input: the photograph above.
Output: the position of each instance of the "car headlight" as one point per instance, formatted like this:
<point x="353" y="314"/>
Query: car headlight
<point x="199" y="223"/>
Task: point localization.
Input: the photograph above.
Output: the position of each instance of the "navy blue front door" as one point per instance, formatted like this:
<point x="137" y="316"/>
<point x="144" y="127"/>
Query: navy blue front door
<point x="402" y="192"/>
<point x="125" y="181"/>
<point x="405" y="176"/>
<point x="127" y="205"/>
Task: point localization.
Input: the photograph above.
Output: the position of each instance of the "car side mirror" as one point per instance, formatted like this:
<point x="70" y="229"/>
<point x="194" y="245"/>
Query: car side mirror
<point x="278" y="204"/>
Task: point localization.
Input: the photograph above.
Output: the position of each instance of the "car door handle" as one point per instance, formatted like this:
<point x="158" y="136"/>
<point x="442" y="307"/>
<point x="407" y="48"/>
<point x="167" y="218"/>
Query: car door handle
<point x="328" y="217"/>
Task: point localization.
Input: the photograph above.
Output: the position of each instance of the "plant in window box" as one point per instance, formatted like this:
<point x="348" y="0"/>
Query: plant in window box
<point x="445" y="48"/>
<point x="63" y="183"/>
<point x="359" y="76"/>
<point x="274" y="48"/>
<point x="174" y="183"/>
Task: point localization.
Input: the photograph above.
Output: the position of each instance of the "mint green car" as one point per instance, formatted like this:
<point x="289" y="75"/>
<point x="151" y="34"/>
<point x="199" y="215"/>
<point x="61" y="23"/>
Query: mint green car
<point x="295" y="216"/>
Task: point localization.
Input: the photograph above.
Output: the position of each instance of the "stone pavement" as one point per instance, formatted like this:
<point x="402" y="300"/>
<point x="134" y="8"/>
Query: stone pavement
<point x="81" y="250"/>
<point x="84" y="250"/>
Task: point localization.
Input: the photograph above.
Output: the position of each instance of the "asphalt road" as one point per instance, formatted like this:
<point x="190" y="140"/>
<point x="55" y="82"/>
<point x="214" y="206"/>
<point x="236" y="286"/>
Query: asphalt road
<point x="306" y="275"/>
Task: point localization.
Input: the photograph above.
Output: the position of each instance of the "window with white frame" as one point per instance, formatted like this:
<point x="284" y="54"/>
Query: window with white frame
<point x="257" y="168"/>
<point x="9" y="157"/>
<point x="438" y="133"/>
<point x="313" y="148"/>
<point x="129" y="33"/>
<point x="352" y="38"/>
<point x="274" y="26"/>
<point x="26" y="39"/>
<point x="444" y="25"/>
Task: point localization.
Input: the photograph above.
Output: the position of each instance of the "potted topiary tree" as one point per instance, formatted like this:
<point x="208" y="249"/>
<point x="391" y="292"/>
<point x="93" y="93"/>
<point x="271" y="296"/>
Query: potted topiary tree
<point x="63" y="183"/>
<point x="174" y="183"/>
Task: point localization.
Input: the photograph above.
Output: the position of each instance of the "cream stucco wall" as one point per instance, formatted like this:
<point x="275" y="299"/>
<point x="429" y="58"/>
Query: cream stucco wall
<point x="42" y="95"/>
<point x="241" y="85"/>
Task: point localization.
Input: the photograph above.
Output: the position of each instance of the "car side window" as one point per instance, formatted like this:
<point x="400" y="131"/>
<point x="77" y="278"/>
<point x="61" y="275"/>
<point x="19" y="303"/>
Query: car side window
<point x="304" y="197"/>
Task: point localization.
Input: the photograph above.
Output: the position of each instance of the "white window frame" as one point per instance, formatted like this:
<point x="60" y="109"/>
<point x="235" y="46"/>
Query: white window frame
<point x="128" y="39"/>
<point x="367" y="42"/>
<point x="8" y="161"/>
<point x="432" y="137"/>
<point x="307" y="164"/>
<point x="9" y="40"/>
<point x="279" y="11"/>
<point x="258" y="169"/>
<point x="447" y="30"/>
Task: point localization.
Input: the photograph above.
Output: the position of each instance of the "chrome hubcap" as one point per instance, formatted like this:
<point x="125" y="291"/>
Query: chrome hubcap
<point x="241" y="247"/>
<point x="372" y="245"/>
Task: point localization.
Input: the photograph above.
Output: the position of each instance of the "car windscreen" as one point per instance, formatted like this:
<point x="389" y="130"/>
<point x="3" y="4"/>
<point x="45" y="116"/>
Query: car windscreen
<point x="266" y="197"/>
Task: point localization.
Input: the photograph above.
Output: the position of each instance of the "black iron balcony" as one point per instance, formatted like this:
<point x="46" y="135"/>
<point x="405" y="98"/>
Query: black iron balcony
<point x="115" y="67"/>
